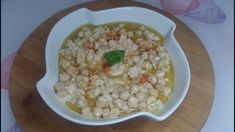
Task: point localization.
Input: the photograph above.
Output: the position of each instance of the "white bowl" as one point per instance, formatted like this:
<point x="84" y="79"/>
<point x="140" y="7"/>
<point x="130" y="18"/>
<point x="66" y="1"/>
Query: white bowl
<point x="132" y="14"/>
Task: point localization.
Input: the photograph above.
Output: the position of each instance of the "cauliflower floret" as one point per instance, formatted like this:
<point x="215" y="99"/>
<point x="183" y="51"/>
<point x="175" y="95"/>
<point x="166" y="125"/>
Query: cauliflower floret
<point x="64" y="77"/>
<point x="84" y="72"/>
<point x="153" y="104"/>
<point x="133" y="102"/>
<point x="153" y="79"/>
<point x="94" y="92"/>
<point x="71" y="44"/>
<point x="163" y="62"/>
<point x="61" y="93"/>
<point x="162" y="81"/>
<point x="60" y="89"/>
<point x="74" y="99"/>
<point x="140" y="62"/>
<point x="156" y="58"/>
<point x="134" y="89"/>
<point x="99" y="54"/>
<point x="143" y="89"/>
<point x="113" y="44"/>
<point x="110" y="89"/>
<point x="122" y="38"/>
<point x="155" y="61"/>
<point x="101" y="102"/>
<point x="99" y="83"/>
<point x="152" y="36"/>
<point x="130" y="34"/>
<point x="59" y="86"/>
<point x="115" y="112"/>
<point x="81" y="56"/>
<point x="82" y="82"/>
<point x="104" y="100"/>
<point x="111" y="105"/>
<point x="129" y="45"/>
<point x="91" y="39"/>
<point x="125" y="95"/>
<point x="134" y="72"/>
<point x="150" y="100"/>
<point x="97" y="91"/>
<point x="148" y="85"/>
<point x="87" y="34"/>
<point x="117" y="69"/>
<point x="91" y="93"/>
<point x="153" y="92"/>
<point x="126" y="108"/>
<point x="106" y="112"/>
<point x="107" y="96"/>
<point x="86" y="111"/>
<point x="97" y="112"/>
<point x="71" y="88"/>
<point x="159" y="86"/>
<point x="80" y="34"/>
<point x="144" y="56"/>
<point x="122" y="31"/>
<point x="119" y="103"/>
<point x="66" y="53"/>
<point x="65" y="63"/>
<point x="145" y="44"/>
<point x="115" y="94"/>
<point x="147" y="65"/>
<point x="159" y="104"/>
<point x="135" y="59"/>
<point x="142" y="59"/>
<point x="142" y="106"/>
<point x="99" y="30"/>
<point x="82" y="102"/>
<point x="166" y="68"/>
<point x="160" y="74"/>
<point x="166" y="91"/>
<point x="141" y="96"/>
<point x="162" y="53"/>
<point x="90" y="55"/>
<point x="112" y="84"/>
<point x="72" y="70"/>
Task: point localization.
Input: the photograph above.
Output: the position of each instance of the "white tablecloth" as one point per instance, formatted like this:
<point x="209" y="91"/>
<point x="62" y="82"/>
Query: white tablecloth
<point x="212" y="21"/>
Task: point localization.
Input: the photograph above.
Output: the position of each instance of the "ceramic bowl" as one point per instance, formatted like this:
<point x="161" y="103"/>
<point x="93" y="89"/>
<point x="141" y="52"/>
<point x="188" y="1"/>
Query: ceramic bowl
<point x="132" y="14"/>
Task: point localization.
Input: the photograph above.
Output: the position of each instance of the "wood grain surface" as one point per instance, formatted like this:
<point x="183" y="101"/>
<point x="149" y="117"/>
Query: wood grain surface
<point x="33" y="115"/>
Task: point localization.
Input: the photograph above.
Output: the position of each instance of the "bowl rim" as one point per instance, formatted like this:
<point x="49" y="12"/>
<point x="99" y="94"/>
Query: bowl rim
<point x="132" y="115"/>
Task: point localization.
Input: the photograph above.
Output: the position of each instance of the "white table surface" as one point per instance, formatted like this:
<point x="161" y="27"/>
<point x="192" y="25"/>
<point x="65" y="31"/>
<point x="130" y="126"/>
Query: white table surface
<point x="21" y="17"/>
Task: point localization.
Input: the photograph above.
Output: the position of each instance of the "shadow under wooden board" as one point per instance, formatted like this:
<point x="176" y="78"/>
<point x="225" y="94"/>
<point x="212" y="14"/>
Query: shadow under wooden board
<point x="34" y="115"/>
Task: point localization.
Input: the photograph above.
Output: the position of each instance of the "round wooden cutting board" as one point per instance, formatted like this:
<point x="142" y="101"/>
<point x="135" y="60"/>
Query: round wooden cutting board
<point x="33" y="115"/>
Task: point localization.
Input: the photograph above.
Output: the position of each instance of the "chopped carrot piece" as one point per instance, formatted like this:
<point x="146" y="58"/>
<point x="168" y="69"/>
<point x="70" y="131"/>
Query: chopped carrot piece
<point x="116" y="36"/>
<point x="109" y="35"/>
<point x="112" y="36"/>
<point x="106" y="68"/>
<point x="143" y="78"/>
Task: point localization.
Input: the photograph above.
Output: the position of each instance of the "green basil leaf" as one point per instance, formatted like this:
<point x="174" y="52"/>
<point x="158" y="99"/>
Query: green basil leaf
<point x="114" y="56"/>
